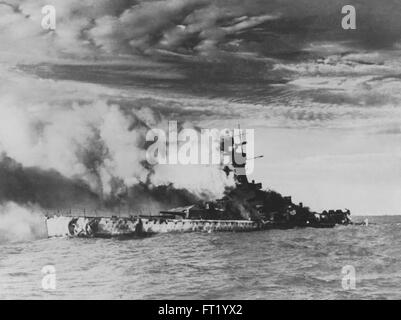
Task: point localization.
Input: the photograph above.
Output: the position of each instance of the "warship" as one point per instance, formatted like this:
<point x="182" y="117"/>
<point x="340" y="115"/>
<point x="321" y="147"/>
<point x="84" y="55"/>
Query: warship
<point x="244" y="207"/>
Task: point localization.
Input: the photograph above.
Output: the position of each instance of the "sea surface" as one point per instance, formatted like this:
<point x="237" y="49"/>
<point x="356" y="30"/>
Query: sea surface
<point x="276" y="264"/>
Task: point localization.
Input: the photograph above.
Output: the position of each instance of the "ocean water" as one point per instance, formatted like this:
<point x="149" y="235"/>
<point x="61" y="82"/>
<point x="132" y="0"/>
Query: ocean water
<point x="276" y="264"/>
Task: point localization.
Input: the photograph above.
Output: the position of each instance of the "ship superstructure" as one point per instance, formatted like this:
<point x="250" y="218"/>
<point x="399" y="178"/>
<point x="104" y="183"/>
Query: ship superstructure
<point x="244" y="207"/>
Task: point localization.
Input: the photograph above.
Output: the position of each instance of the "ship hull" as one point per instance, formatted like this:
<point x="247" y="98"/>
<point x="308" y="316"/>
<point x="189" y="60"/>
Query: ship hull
<point x="87" y="227"/>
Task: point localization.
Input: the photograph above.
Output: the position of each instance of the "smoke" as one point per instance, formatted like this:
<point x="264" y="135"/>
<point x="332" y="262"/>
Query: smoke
<point x="97" y="143"/>
<point x="148" y="199"/>
<point x="21" y="223"/>
<point x="84" y="151"/>
<point x="48" y="189"/>
<point x="64" y="144"/>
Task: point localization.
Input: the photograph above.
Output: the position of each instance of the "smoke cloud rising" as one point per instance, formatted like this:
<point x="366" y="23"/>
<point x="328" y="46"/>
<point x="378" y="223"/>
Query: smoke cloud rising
<point x="114" y="68"/>
<point x="21" y="223"/>
<point x="85" y="151"/>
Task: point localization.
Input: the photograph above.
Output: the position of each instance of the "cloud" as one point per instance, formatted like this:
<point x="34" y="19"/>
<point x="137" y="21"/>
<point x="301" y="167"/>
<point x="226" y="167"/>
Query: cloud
<point x="141" y="27"/>
<point x="194" y="28"/>
<point x="114" y="67"/>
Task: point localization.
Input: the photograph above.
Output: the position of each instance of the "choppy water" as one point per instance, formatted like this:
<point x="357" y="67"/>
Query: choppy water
<point x="278" y="264"/>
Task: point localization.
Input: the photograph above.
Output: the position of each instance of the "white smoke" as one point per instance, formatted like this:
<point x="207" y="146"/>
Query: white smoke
<point x="56" y="139"/>
<point x="21" y="223"/>
<point x="88" y="138"/>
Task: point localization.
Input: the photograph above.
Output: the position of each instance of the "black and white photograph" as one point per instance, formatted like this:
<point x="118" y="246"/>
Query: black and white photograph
<point x="200" y="150"/>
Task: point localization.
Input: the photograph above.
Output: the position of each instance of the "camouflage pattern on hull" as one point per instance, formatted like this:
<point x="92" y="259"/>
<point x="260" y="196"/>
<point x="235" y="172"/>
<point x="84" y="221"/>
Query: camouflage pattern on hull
<point x="96" y="227"/>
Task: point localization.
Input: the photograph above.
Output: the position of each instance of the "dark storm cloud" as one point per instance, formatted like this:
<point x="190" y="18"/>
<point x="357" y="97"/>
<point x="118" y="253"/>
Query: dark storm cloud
<point x="206" y="29"/>
<point x="226" y="48"/>
<point x="263" y="27"/>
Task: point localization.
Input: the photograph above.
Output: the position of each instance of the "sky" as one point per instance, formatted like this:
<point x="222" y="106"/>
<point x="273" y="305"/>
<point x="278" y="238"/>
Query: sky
<point x="323" y="101"/>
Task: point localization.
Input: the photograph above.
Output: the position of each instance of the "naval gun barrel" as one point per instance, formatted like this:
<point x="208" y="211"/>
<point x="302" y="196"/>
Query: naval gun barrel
<point x="258" y="157"/>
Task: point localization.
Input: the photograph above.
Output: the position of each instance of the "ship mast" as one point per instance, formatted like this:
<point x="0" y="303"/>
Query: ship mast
<point x="238" y="157"/>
